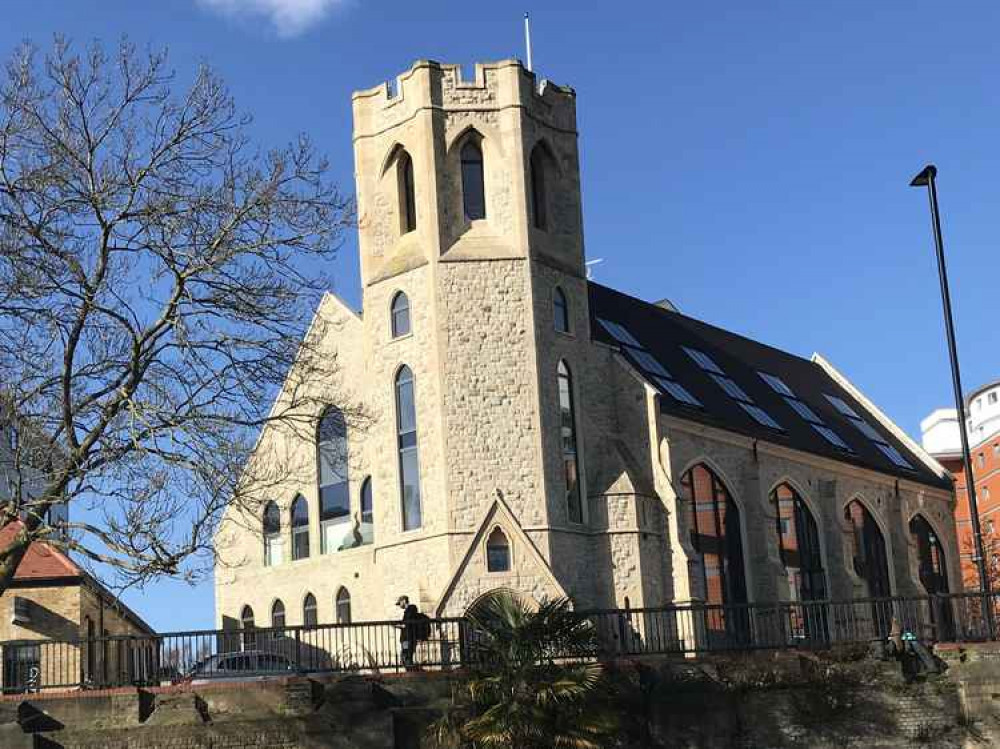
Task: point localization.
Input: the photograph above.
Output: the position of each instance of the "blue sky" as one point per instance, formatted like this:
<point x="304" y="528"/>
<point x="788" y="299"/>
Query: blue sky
<point x="749" y="161"/>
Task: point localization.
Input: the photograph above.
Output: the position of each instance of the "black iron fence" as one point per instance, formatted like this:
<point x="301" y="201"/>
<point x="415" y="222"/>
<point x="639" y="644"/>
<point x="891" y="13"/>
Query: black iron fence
<point x="386" y="646"/>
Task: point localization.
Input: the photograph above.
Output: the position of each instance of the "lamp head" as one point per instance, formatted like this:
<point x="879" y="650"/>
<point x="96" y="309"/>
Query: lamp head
<point x="925" y="177"/>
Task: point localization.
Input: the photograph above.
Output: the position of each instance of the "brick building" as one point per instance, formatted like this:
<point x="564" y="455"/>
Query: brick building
<point x="941" y="438"/>
<point x="536" y="431"/>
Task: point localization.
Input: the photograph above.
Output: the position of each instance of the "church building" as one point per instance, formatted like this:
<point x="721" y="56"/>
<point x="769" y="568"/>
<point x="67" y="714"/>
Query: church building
<point x="533" y="430"/>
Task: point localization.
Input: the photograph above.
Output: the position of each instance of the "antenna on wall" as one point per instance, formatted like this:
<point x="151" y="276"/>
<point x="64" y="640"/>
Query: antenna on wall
<point x="527" y="38"/>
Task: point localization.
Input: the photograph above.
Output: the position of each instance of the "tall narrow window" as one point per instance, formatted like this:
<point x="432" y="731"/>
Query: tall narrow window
<point x="248" y="627"/>
<point x="343" y="606"/>
<point x="473" y="189"/>
<point x="407" y="193"/>
<point x="309" y="616"/>
<point x="400" y="315"/>
<point x="497" y="552"/>
<point x="560" y="310"/>
<point x="278" y="616"/>
<point x="714" y="524"/>
<point x="409" y="461"/>
<point x="539" y="208"/>
<point x="798" y="542"/>
<point x="300" y="528"/>
<point x="367" y="512"/>
<point x="332" y="472"/>
<point x="272" y="535"/>
<point x="571" y="468"/>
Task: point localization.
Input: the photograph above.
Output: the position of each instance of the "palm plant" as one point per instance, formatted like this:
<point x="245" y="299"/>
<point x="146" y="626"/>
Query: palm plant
<point x="533" y="684"/>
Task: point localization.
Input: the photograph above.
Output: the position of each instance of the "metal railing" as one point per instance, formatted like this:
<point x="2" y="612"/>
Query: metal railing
<point x="372" y="647"/>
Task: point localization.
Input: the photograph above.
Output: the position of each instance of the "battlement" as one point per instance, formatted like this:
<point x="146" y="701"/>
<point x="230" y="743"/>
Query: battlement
<point x="430" y="84"/>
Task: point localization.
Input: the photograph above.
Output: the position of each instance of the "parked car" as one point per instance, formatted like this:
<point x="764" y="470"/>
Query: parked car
<point x="248" y="665"/>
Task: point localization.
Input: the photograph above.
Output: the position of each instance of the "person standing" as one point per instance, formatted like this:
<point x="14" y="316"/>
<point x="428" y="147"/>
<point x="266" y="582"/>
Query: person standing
<point x="408" y="630"/>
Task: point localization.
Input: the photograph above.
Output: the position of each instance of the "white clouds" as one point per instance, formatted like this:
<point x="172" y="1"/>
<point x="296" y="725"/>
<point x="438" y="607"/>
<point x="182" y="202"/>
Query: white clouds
<point x="289" y="17"/>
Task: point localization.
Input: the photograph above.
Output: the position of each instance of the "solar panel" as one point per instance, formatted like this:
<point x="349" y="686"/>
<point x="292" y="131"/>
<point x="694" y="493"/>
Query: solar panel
<point x="677" y="392"/>
<point x="732" y="389"/>
<point x="866" y="429"/>
<point x="703" y="360"/>
<point x="619" y="333"/>
<point x="776" y="383"/>
<point x="761" y="416"/>
<point x="804" y="411"/>
<point x="842" y="406"/>
<point x="648" y="362"/>
<point x="831" y="436"/>
<point x="894" y="455"/>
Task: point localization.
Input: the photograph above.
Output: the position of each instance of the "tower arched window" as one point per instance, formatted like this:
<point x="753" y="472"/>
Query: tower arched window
<point x="399" y="314"/>
<point x="473" y="185"/>
<point x="798" y="543"/>
<point x="409" y="460"/>
<point x="539" y="198"/>
<point x="571" y="465"/>
<point x="713" y="521"/>
<point x="560" y="310"/>
<point x="278" y="615"/>
<point x="333" y="475"/>
<point x="273" y="544"/>
<point x="497" y="552"/>
<point x="309" y="614"/>
<point x="300" y="528"/>
<point x="407" y="193"/>
<point x="343" y="606"/>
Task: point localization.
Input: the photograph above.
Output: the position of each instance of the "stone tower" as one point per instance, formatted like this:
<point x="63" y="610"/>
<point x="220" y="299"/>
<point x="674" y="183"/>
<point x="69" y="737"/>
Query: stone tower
<point x="469" y="203"/>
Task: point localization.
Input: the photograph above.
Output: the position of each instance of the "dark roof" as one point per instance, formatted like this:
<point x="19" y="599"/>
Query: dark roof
<point x="663" y="333"/>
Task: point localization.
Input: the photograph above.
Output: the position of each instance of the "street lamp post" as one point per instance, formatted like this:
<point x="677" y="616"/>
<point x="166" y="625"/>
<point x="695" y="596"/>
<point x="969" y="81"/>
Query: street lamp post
<point x="926" y="178"/>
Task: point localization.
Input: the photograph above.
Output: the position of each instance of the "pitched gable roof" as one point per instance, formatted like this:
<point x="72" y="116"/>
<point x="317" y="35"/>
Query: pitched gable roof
<point x="41" y="561"/>
<point x="664" y="334"/>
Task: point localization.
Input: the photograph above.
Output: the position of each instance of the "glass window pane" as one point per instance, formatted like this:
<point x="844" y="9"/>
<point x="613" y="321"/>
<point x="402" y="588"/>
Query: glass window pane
<point x="473" y="187"/>
<point x="409" y="470"/>
<point x="803" y="410"/>
<point x="831" y="436"/>
<point x="676" y="391"/>
<point x="619" y="333"/>
<point x="648" y="362"/>
<point x="400" y="315"/>
<point x="733" y="390"/>
<point x="842" y="406"/>
<point x="405" y="407"/>
<point x="894" y="455"/>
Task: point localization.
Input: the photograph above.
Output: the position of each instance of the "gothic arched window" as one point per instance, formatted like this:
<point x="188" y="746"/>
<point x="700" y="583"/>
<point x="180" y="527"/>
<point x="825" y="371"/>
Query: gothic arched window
<point x="247" y="625"/>
<point x="473" y="185"/>
<point x="571" y="467"/>
<point x="798" y="542"/>
<point x="272" y="534"/>
<point x="713" y="521"/>
<point x="560" y="310"/>
<point x="497" y="552"/>
<point x="409" y="460"/>
<point x="407" y="193"/>
<point x="399" y="314"/>
<point x="932" y="569"/>
<point x="869" y="557"/>
<point x="539" y="206"/>
<point x="300" y="528"/>
<point x="332" y="473"/>
<point x="278" y="615"/>
<point x="343" y="606"/>
<point x="309" y="615"/>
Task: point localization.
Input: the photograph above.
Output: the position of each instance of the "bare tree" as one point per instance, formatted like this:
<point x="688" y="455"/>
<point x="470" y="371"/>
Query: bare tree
<point x="158" y="274"/>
